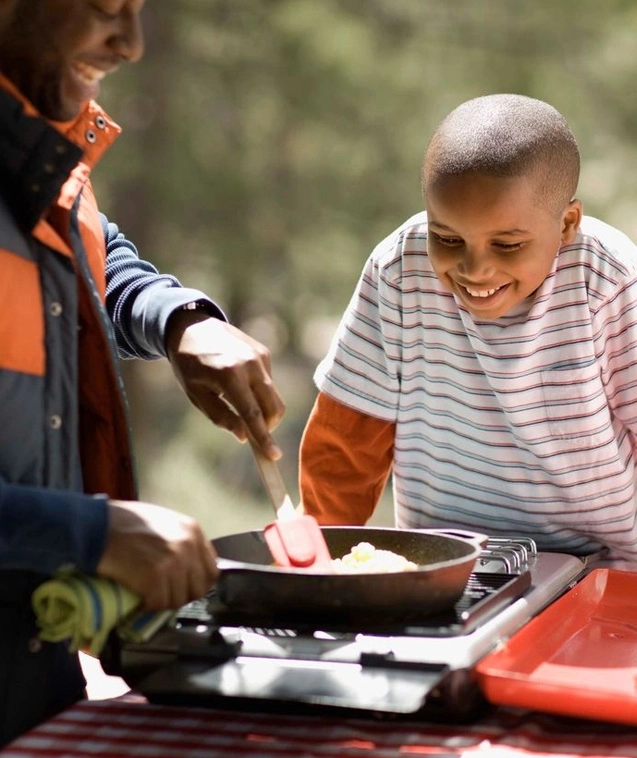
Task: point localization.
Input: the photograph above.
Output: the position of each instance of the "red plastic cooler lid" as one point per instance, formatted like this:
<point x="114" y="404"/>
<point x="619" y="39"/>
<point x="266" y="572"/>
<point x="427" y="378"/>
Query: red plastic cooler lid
<point x="578" y="657"/>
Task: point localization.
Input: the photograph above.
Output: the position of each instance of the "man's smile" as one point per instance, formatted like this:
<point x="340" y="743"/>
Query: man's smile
<point x="89" y="75"/>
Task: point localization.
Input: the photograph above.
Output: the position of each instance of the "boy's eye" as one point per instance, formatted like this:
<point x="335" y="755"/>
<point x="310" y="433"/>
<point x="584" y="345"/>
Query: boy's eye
<point x="508" y="246"/>
<point x="448" y="241"/>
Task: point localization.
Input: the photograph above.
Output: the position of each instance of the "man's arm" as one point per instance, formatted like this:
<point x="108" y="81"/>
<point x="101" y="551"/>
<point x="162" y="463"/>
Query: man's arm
<point x="345" y="461"/>
<point x="160" y="554"/>
<point x="43" y="529"/>
<point x="140" y="300"/>
<point x="224" y="372"/>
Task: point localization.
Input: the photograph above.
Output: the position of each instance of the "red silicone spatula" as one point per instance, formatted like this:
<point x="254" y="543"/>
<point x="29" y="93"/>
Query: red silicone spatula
<point x="294" y="539"/>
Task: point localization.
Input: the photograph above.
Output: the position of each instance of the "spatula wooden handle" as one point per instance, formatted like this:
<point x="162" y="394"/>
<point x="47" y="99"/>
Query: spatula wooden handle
<point x="274" y="484"/>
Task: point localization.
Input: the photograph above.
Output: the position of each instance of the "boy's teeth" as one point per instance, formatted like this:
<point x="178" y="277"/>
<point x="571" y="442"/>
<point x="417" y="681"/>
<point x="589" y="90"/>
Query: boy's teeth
<point x="481" y="293"/>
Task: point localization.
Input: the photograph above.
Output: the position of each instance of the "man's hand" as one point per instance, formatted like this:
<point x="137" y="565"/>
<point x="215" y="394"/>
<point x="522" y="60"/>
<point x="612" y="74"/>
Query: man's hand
<point x="227" y="375"/>
<point x="159" y="554"/>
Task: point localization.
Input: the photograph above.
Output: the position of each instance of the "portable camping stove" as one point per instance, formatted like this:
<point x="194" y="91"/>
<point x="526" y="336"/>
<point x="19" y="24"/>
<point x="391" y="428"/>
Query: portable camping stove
<point x="210" y="656"/>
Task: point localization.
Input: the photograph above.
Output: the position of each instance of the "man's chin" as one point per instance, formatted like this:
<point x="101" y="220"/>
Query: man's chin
<point x="63" y="114"/>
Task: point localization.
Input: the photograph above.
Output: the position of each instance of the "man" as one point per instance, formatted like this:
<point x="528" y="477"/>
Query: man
<point x="74" y="294"/>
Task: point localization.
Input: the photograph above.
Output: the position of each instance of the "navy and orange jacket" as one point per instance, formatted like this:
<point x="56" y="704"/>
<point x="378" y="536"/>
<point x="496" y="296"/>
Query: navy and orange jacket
<point x="74" y="298"/>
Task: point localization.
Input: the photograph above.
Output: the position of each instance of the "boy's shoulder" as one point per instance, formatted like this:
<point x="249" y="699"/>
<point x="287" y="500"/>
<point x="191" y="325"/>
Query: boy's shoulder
<point x="410" y="236"/>
<point x="617" y="246"/>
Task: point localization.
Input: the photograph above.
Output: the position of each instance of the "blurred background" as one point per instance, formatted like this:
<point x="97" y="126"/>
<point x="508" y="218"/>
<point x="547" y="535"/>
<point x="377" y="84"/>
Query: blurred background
<point x="269" y="145"/>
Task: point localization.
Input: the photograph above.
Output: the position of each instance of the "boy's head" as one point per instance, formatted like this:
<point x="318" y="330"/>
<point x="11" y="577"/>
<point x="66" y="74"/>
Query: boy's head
<point x="498" y="179"/>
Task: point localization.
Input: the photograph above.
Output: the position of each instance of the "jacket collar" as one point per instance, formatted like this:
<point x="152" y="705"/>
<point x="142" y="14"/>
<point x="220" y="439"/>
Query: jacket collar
<point x="37" y="156"/>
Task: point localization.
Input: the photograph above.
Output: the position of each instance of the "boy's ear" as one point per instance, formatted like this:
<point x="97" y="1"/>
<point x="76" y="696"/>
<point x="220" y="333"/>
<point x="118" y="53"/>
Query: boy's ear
<point x="571" y="221"/>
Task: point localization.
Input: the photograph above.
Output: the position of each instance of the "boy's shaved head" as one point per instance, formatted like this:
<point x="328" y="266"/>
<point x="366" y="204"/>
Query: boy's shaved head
<point x="507" y="136"/>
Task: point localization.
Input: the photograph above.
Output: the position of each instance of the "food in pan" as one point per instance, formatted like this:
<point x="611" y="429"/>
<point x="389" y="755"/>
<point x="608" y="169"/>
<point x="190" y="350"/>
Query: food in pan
<point x="364" y="558"/>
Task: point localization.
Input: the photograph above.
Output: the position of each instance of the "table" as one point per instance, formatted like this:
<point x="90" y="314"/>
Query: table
<point x="130" y="726"/>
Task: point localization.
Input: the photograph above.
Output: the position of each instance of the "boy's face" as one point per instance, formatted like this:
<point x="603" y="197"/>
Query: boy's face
<point x="57" y="51"/>
<point x="491" y="241"/>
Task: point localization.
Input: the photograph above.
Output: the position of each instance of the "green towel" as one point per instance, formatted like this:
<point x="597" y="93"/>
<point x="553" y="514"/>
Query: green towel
<point x="85" y="609"/>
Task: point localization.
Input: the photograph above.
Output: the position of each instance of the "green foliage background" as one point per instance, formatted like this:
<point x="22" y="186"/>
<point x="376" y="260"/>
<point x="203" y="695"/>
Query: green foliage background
<point x="270" y="144"/>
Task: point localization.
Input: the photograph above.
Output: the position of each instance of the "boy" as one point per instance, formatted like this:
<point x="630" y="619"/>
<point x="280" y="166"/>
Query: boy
<point x="488" y="357"/>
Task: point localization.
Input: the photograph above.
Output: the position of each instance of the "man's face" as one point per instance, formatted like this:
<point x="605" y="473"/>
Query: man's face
<point x="491" y="242"/>
<point x="57" y="51"/>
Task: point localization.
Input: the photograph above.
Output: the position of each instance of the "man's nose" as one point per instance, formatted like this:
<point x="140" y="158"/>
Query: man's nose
<point x="128" y="41"/>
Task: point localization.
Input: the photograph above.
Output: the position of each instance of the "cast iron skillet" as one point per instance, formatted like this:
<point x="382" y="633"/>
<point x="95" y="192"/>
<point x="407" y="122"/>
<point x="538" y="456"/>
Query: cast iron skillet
<point x="249" y="582"/>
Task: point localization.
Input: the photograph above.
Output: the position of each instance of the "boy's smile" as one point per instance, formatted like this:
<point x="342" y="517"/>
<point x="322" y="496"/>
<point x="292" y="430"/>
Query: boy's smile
<point x="491" y="240"/>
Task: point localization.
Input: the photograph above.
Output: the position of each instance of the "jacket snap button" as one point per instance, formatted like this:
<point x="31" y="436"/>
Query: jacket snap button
<point x="34" y="645"/>
<point x="90" y="136"/>
<point x="55" y="421"/>
<point x="55" y="309"/>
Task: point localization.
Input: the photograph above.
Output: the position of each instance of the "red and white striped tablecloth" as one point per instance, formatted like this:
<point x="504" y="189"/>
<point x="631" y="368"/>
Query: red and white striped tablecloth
<point x="129" y="726"/>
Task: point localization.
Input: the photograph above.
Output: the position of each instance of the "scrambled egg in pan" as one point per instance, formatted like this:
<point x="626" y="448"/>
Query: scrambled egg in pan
<point x="364" y="558"/>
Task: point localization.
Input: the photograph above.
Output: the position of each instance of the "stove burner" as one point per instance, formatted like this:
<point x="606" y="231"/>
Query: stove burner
<point x="503" y="575"/>
<point x="484" y="595"/>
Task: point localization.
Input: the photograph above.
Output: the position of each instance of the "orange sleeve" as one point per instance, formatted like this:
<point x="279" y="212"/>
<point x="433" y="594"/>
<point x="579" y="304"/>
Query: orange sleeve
<point x="345" y="461"/>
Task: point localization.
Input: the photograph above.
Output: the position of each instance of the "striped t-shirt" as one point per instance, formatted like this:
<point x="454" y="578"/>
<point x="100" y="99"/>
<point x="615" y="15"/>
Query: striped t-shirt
<point x="524" y="424"/>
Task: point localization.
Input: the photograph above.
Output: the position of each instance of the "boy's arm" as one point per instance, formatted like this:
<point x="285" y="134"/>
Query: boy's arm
<point x="345" y="461"/>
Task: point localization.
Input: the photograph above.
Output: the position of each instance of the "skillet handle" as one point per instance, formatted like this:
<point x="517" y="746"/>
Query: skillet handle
<point x="480" y="540"/>
<point x="227" y="564"/>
